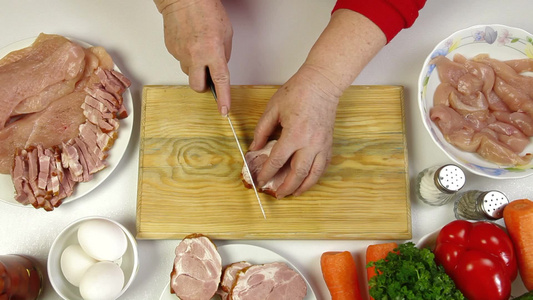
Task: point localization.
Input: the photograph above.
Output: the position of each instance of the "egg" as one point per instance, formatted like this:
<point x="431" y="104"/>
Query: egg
<point x="102" y="239"/>
<point x="74" y="263"/>
<point x="103" y="280"/>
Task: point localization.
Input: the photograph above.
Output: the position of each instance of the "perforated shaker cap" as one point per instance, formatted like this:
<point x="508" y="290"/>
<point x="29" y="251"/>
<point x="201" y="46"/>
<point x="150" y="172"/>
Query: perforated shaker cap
<point x="450" y="178"/>
<point x="492" y="203"/>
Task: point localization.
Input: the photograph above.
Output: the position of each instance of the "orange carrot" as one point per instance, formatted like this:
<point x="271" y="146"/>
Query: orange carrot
<point x="518" y="217"/>
<point x="340" y="274"/>
<point x="375" y="253"/>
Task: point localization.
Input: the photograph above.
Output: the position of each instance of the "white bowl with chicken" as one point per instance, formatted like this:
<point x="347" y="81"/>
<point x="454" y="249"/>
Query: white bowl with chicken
<point x="475" y="102"/>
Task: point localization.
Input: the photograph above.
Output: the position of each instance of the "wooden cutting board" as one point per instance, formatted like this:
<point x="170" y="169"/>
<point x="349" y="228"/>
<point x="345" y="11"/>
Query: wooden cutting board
<point x="190" y="170"/>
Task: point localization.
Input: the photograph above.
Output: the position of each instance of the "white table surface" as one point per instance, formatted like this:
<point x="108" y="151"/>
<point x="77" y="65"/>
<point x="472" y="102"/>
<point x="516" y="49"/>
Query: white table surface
<point x="272" y="38"/>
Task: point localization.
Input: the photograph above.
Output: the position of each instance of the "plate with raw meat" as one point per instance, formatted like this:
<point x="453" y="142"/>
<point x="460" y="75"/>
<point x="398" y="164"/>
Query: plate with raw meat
<point x="476" y="100"/>
<point x="250" y="254"/>
<point x="67" y="131"/>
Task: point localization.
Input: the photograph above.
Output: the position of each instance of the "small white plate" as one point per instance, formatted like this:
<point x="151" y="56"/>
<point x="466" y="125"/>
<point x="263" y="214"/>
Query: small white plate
<point x="500" y="42"/>
<point x="252" y="254"/>
<point x="7" y="191"/>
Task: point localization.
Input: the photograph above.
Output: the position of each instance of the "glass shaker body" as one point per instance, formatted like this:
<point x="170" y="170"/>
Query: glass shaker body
<point x="437" y="185"/>
<point x="479" y="205"/>
<point x="20" y="278"/>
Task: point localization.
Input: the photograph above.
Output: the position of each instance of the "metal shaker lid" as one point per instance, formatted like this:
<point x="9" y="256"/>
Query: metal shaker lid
<point x="492" y="203"/>
<point x="450" y="178"/>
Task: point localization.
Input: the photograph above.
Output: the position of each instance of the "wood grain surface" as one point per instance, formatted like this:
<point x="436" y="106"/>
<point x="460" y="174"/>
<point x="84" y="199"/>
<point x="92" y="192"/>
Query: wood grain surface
<point x="190" y="170"/>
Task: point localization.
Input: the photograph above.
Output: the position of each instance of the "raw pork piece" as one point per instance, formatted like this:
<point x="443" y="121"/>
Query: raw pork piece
<point x="255" y="160"/>
<point x="197" y="269"/>
<point x="48" y="65"/>
<point x="273" y="281"/>
<point x="55" y="124"/>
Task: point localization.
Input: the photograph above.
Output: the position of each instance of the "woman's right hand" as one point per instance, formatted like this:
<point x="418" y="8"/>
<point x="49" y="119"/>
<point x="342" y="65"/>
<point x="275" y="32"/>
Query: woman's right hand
<point x="198" y="33"/>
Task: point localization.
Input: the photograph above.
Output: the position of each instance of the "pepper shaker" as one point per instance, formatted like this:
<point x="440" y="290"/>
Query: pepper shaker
<point x="437" y="185"/>
<point x="480" y="205"/>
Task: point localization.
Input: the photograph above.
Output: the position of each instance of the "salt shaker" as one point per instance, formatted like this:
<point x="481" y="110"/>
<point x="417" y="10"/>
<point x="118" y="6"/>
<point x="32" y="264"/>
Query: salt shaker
<point x="437" y="185"/>
<point x="480" y="205"/>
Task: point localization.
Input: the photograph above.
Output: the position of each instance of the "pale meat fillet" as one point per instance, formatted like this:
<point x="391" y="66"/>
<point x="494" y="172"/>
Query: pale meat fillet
<point x="55" y="124"/>
<point x="273" y="281"/>
<point x="255" y="160"/>
<point x="228" y="278"/>
<point x="33" y="73"/>
<point x="485" y="105"/>
<point x="197" y="269"/>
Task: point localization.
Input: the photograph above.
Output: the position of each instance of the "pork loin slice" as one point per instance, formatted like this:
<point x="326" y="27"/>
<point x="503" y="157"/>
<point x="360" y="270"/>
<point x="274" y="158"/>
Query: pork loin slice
<point x="197" y="269"/>
<point x="228" y="278"/>
<point x="255" y="160"/>
<point x="275" y="281"/>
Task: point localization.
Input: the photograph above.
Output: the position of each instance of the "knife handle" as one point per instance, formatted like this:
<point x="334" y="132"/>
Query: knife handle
<point x="210" y="82"/>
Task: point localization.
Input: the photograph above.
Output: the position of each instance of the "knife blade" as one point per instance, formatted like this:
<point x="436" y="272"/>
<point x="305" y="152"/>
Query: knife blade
<point x="211" y="85"/>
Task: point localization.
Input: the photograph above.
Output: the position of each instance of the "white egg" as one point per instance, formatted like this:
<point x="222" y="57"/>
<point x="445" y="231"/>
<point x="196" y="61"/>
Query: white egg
<point x="102" y="239"/>
<point x="103" y="280"/>
<point x="74" y="263"/>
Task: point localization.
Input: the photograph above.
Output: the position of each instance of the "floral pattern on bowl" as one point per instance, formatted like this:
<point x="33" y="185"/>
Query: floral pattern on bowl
<point x="500" y="42"/>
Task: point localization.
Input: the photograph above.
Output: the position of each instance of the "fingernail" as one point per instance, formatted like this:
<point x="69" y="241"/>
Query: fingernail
<point x="224" y="111"/>
<point x="260" y="184"/>
<point x="252" y="146"/>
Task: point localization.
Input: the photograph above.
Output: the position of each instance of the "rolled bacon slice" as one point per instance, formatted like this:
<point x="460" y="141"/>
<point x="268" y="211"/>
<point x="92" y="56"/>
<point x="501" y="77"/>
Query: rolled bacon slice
<point x="255" y="161"/>
<point x="228" y="277"/>
<point x="268" y="281"/>
<point x="197" y="269"/>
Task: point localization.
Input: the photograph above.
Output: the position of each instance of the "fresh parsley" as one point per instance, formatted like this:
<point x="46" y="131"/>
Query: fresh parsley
<point x="411" y="273"/>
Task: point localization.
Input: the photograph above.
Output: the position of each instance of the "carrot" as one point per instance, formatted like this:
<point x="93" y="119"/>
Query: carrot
<point x="375" y="253"/>
<point x="340" y="274"/>
<point x="518" y="217"/>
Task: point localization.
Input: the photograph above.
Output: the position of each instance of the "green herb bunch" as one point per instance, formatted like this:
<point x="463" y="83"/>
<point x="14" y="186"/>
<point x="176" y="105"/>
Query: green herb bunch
<point x="411" y="273"/>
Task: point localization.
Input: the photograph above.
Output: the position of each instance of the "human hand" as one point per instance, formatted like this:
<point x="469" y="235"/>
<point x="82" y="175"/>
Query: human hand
<point x="305" y="107"/>
<point x="199" y="34"/>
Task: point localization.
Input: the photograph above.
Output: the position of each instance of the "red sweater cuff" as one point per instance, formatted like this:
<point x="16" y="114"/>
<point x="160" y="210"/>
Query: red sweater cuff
<point x="390" y="15"/>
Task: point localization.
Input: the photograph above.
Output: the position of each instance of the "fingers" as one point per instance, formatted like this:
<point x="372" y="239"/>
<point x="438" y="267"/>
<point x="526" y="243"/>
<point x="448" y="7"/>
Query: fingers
<point x="220" y="75"/>
<point x="280" y="154"/>
<point x="265" y="127"/>
<point x="317" y="170"/>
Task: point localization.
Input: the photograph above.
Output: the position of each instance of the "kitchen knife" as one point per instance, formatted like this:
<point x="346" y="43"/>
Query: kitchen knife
<point x="213" y="91"/>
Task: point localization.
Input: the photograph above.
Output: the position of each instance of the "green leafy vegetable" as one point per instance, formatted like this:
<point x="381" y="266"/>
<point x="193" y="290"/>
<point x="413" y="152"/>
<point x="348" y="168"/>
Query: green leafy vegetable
<point x="411" y="273"/>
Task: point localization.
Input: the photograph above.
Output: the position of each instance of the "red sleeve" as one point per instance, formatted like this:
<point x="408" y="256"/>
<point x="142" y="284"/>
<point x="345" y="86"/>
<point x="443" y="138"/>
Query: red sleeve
<point x="390" y="15"/>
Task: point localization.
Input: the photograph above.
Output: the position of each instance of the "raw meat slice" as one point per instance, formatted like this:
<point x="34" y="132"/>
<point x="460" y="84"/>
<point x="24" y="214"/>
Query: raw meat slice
<point x="28" y="77"/>
<point x="57" y="123"/>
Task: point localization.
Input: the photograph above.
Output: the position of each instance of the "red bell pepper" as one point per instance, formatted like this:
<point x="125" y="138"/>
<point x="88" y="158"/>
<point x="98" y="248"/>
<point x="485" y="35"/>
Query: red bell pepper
<point x="479" y="257"/>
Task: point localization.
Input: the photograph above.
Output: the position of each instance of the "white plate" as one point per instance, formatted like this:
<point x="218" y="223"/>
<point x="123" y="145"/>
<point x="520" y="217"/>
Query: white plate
<point x="500" y="42"/>
<point x="7" y="191"/>
<point x="252" y="254"/>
